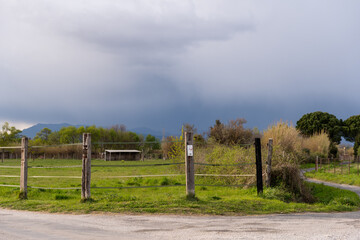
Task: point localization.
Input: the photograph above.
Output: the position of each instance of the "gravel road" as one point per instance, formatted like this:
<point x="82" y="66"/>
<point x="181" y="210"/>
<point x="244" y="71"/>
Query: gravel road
<point x="29" y="225"/>
<point x="15" y="225"/>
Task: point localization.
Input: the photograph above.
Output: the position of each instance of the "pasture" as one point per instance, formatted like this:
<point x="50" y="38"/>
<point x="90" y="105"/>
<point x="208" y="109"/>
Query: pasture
<point x="115" y="189"/>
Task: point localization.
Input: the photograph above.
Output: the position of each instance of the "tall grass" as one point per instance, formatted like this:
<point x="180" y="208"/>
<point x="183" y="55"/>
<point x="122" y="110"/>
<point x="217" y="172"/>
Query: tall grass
<point x="291" y="146"/>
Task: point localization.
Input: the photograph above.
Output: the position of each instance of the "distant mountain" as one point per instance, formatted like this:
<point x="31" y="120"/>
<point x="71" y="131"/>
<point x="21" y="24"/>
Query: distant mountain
<point x="32" y="131"/>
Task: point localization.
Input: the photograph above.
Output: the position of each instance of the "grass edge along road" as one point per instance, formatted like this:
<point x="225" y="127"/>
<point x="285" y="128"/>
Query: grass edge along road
<point x="340" y="176"/>
<point x="210" y="200"/>
<point x="161" y="200"/>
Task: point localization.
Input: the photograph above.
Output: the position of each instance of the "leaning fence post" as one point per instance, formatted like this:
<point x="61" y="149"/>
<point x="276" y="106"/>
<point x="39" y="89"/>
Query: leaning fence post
<point x="268" y="162"/>
<point x="316" y="163"/>
<point x="189" y="165"/>
<point x="24" y="168"/>
<point x="86" y="167"/>
<point x="259" y="179"/>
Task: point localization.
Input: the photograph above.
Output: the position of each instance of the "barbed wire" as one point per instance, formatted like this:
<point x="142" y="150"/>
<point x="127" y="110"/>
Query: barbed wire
<point x="4" y="185"/>
<point x="58" y="145"/>
<point x="142" y="165"/>
<point x="17" y="176"/>
<point x="224" y="165"/>
<point x="225" y="175"/>
<point x="208" y="185"/>
<point x="141" y="143"/>
<point x="74" y="166"/>
<point x="51" y="188"/>
<point x="11" y="147"/>
<point x="159" y="186"/>
<point x="142" y="176"/>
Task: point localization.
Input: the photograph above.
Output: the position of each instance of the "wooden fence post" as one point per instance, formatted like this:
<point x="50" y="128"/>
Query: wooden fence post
<point x="3" y="156"/>
<point x="259" y="178"/>
<point x="86" y="167"/>
<point x="24" y="168"/>
<point x="349" y="164"/>
<point x="268" y="162"/>
<point x="317" y="163"/>
<point x="189" y="165"/>
<point x="341" y="166"/>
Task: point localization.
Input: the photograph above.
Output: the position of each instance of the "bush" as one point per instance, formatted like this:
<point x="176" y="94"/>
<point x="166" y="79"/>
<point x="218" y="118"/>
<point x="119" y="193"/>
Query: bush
<point x="231" y="133"/>
<point x="289" y="146"/>
<point x="289" y="178"/>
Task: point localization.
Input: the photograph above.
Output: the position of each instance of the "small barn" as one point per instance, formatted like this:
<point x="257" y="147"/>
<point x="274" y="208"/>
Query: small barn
<point x="129" y="155"/>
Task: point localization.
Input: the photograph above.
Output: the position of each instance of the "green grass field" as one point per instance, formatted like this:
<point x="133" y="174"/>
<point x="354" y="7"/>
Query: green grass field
<point x="340" y="174"/>
<point x="170" y="200"/>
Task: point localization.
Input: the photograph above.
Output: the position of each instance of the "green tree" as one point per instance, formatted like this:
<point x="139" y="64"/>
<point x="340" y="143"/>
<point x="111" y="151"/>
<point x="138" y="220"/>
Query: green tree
<point x="352" y="131"/>
<point x="54" y="138"/>
<point x="43" y="135"/>
<point x="9" y="134"/>
<point x="231" y="133"/>
<point x="316" y="122"/>
<point x="69" y="135"/>
<point x="151" y="142"/>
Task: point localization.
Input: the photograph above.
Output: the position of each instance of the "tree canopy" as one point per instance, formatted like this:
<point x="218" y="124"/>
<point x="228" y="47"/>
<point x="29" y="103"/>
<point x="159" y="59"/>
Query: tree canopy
<point x="9" y="134"/>
<point x="316" y="122"/>
<point x="352" y="131"/>
<point x="231" y="133"/>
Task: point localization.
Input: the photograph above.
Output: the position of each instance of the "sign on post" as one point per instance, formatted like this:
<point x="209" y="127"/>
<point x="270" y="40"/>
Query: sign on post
<point x="190" y="150"/>
<point x="189" y="165"/>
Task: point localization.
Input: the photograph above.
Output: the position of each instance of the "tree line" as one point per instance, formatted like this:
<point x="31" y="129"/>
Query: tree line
<point x="231" y="133"/>
<point x="316" y="122"/>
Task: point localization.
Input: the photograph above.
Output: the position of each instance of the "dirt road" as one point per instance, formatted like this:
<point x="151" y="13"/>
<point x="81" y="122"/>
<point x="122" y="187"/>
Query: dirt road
<point x="28" y="225"/>
<point x="15" y="225"/>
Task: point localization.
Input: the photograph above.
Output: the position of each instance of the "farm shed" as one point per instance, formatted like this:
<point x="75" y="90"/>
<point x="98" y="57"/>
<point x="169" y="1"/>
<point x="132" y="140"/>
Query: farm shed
<point x="111" y="155"/>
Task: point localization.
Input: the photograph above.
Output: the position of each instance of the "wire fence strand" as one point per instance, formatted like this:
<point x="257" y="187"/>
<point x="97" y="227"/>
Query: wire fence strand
<point x="13" y="147"/>
<point x="51" y="188"/>
<point x="74" y="166"/>
<point x="225" y="175"/>
<point x="142" y="165"/>
<point x="208" y="185"/>
<point x="4" y="185"/>
<point x="159" y="186"/>
<point x="10" y="167"/>
<point x="142" y="176"/>
<point x="223" y="165"/>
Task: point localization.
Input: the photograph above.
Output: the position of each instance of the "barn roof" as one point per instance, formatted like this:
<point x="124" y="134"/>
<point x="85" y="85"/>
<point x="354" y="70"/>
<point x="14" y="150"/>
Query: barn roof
<point x="123" y="151"/>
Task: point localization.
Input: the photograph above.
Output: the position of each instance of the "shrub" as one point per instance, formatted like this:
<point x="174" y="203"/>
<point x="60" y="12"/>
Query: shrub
<point x="231" y="133"/>
<point x="288" y="177"/>
<point x="291" y="147"/>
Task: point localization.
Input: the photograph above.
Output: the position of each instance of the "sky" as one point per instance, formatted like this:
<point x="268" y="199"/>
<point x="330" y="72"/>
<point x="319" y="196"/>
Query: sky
<point x="162" y="63"/>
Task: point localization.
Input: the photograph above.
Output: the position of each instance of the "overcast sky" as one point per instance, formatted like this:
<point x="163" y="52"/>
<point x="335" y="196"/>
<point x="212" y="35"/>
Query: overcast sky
<point x="161" y="63"/>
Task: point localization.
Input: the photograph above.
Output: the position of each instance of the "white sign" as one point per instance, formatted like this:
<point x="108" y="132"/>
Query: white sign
<point x="190" y="150"/>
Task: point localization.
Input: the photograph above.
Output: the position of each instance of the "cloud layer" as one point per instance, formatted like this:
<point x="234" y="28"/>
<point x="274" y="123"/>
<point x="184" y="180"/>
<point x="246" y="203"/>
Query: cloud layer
<point x="162" y="63"/>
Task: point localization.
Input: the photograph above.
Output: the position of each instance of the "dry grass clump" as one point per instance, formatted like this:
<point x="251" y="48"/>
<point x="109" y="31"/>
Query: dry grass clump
<point x="284" y="135"/>
<point x="317" y="144"/>
<point x="291" y="146"/>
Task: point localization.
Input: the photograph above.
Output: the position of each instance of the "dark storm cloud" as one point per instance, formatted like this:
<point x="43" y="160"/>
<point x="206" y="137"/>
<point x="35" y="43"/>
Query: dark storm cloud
<point x="163" y="63"/>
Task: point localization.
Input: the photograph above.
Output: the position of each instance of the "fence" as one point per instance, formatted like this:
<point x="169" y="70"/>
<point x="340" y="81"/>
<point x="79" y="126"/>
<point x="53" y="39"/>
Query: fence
<point x="338" y="165"/>
<point x="190" y="174"/>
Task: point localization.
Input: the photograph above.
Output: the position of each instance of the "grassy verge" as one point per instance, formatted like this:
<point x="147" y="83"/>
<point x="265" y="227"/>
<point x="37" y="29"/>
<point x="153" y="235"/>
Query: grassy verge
<point x="307" y="165"/>
<point x="161" y="200"/>
<point x="341" y="175"/>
